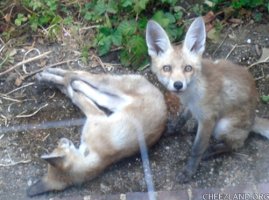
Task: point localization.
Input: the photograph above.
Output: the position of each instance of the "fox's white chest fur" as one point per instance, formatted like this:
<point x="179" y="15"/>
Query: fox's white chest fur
<point x="192" y="98"/>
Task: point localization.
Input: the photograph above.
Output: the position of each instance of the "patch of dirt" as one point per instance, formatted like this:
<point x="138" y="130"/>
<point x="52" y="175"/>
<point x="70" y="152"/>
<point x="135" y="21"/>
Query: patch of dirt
<point x="25" y="139"/>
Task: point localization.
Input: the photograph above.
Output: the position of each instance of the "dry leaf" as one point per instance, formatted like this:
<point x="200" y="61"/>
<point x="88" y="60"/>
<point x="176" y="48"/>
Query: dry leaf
<point x="12" y="53"/>
<point x="209" y="3"/>
<point x="228" y="12"/>
<point x="18" y="81"/>
<point x="214" y="35"/>
<point x="208" y="19"/>
<point x="235" y="21"/>
<point x="7" y="18"/>
<point x="265" y="55"/>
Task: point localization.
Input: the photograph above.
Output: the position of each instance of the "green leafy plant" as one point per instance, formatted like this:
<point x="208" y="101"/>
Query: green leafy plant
<point x="265" y="98"/>
<point x="20" y="19"/>
<point x="237" y="4"/>
<point x="119" y="26"/>
<point x="123" y="25"/>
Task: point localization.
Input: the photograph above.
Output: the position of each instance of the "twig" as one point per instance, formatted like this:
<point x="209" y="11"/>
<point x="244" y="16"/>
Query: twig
<point x="24" y="86"/>
<point x="23" y="66"/>
<point x="15" y="163"/>
<point x="116" y="49"/>
<point x="3" y="62"/>
<point x="221" y="43"/>
<point x="43" y="140"/>
<point x="25" y="61"/>
<point x="5" y="119"/>
<point x="231" y="51"/>
<point x="259" y="62"/>
<point x="52" y="96"/>
<point x="32" y="114"/>
<point x="144" y="67"/>
<point x="89" y="27"/>
<point x="100" y="62"/>
<point x="2" y="47"/>
<point x="9" y="99"/>
<point x="52" y="65"/>
<point x="2" y="41"/>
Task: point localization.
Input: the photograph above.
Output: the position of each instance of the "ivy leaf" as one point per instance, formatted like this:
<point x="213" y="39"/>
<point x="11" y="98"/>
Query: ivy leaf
<point x="105" y="31"/>
<point x="100" y="7"/>
<point x="175" y="32"/>
<point x="265" y="98"/>
<point x="140" y="5"/>
<point x="112" y="7"/>
<point x="116" y="38"/>
<point x="137" y="51"/>
<point x="171" y="2"/>
<point x="125" y="58"/>
<point x="88" y="16"/>
<point x="126" y="3"/>
<point x="52" y="5"/>
<point x="104" y="45"/>
<point x="44" y="19"/>
<point x="170" y="17"/>
<point x="35" y="4"/>
<point x="127" y="27"/>
<point x="142" y="23"/>
<point x="160" y="17"/>
<point x="20" y="19"/>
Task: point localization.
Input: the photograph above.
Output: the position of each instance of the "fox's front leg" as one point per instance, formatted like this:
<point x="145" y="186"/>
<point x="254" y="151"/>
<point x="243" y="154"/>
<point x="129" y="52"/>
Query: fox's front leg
<point x="205" y="129"/>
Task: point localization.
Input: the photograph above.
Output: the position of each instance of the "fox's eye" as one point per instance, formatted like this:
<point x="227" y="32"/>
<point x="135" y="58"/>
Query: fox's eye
<point x="188" y="68"/>
<point x="167" y="68"/>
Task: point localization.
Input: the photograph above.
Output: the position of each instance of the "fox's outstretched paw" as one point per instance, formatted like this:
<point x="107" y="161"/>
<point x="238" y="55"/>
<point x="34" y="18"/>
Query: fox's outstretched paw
<point x="184" y="176"/>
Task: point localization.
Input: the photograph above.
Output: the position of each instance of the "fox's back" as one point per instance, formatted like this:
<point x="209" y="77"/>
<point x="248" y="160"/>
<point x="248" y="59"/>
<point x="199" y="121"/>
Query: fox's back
<point x="230" y="85"/>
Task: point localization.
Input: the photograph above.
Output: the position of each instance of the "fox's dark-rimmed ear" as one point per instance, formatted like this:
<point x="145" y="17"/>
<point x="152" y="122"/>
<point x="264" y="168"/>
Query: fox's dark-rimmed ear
<point x="157" y="40"/>
<point x="195" y="37"/>
<point x="38" y="188"/>
<point x="54" y="159"/>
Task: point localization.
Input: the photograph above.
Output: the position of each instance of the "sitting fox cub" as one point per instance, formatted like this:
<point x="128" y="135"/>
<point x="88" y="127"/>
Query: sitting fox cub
<point x="220" y="95"/>
<point x="135" y="107"/>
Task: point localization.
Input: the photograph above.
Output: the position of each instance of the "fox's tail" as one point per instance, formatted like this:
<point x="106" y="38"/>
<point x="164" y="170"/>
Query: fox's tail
<point x="261" y="126"/>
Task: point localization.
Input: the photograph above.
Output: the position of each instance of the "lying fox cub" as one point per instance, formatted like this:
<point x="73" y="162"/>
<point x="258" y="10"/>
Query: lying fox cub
<point x="136" y="106"/>
<point x="220" y="95"/>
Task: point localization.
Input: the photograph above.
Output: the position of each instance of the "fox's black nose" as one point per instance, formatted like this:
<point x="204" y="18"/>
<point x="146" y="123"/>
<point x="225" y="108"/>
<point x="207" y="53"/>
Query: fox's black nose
<point x="178" y="85"/>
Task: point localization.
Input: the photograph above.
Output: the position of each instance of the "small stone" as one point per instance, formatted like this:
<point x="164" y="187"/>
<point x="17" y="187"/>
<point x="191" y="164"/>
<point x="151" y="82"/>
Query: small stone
<point x="248" y="41"/>
<point x="29" y="182"/>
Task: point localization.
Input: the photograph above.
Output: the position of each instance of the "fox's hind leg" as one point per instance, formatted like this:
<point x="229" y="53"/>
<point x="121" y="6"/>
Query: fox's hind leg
<point x="54" y="77"/>
<point x="216" y="149"/>
<point x="105" y="90"/>
<point x="230" y="134"/>
<point x="83" y="102"/>
<point x="108" y="100"/>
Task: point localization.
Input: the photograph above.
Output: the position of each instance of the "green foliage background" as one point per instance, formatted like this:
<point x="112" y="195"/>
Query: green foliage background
<point x="119" y="24"/>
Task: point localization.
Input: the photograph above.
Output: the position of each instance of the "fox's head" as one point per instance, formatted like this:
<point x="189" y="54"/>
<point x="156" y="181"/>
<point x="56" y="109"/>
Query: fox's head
<point x="58" y="176"/>
<point x="176" y="66"/>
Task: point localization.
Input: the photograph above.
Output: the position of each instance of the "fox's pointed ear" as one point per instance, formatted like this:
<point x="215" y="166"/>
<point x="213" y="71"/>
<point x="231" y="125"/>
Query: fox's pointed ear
<point x="157" y="40"/>
<point x="195" y="37"/>
<point x="37" y="188"/>
<point x="54" y="159"/>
